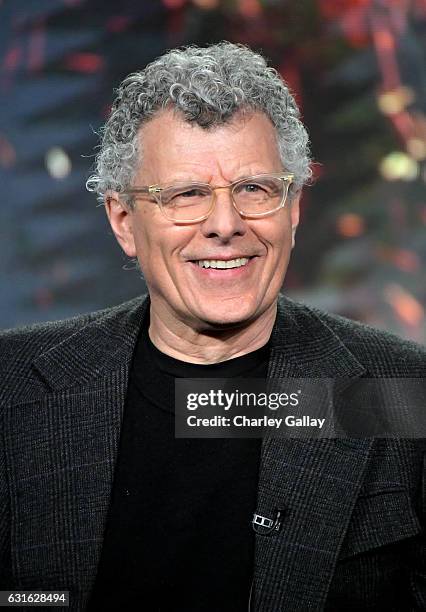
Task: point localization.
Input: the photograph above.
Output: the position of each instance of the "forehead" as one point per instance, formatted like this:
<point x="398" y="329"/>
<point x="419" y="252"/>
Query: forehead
<point x="171" y="148"/>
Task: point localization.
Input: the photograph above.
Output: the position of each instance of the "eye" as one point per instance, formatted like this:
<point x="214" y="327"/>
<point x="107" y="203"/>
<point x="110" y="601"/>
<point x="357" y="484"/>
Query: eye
<point x="252" y="187"/>
<point x="191" y="193"/>
<point x="185" y="195"/>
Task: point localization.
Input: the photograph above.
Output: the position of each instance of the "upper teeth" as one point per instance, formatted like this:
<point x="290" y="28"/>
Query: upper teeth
<point x="221" y="263"/>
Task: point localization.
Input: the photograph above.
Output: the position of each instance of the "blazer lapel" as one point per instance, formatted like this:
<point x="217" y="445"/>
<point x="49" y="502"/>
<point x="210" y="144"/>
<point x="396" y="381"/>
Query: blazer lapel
<point x="63" y="447"/>
<point x="314" y="483"/>
<point x="95" y="350"/>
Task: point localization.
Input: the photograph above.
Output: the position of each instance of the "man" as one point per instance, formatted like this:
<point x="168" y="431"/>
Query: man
<point x="200" y="168"/>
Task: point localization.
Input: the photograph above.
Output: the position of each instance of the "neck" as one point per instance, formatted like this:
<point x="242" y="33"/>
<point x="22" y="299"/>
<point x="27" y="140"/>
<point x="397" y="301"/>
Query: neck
<point x="205" y="346"/>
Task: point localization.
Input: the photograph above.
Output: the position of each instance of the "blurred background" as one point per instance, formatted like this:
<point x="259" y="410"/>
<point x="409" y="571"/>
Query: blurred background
<point x="358" y="71"/>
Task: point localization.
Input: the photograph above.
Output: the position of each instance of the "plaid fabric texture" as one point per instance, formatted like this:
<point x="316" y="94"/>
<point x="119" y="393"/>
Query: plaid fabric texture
<point x="353" y="510"/>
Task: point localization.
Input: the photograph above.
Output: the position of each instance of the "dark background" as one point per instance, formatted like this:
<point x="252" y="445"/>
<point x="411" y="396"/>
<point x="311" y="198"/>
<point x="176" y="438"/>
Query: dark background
<point x="358" y="70"/>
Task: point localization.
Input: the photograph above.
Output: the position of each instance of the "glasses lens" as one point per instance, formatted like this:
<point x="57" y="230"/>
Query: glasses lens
<point x="186" y="202"/>
<point x="260" y="194"/>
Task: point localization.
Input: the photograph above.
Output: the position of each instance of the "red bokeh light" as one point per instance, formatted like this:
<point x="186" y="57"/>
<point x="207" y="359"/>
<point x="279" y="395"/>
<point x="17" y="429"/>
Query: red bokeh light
<point x="84" y="62"/>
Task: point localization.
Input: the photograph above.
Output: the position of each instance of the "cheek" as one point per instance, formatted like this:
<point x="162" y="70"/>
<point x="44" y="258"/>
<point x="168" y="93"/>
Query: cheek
<point x="274" y="233"/>
<point x="144" y="246"/>
<point x="159" y="247"/>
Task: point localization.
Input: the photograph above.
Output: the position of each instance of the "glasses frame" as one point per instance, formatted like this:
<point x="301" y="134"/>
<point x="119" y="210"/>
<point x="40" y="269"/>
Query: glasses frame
<point x="156" y="190"/>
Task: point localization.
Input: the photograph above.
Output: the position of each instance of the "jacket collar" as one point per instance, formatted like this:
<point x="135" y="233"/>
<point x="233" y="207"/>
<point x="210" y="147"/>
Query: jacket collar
<point x="302" y="345"/>
<point x="101" y="346"/>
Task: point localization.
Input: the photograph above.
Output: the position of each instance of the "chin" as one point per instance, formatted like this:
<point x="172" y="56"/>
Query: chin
<point x="225" y="320"/>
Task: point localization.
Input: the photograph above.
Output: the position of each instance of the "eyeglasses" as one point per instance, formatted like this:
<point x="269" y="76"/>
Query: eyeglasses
<point x="192" y="202"/>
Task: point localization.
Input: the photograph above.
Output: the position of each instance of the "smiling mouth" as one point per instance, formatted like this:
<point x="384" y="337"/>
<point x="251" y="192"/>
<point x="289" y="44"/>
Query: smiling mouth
<point x="222" y="264"/>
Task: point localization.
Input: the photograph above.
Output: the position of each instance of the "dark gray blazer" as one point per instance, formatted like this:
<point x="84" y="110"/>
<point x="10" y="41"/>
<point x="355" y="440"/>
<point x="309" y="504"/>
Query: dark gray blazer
<point x="354" y="509"/>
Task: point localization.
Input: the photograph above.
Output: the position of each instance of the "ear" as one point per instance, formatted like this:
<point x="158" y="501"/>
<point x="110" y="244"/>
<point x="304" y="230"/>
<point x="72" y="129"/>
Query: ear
<point x="294" y="216"/>
<point x="120" y="216"/>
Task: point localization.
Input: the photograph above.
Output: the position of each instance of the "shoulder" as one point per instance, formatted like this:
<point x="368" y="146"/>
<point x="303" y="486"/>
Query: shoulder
<point x="380" y="352"/>
<point x="374" y="347"/>
<point x="19" y="347"/>
<point x="28" y="341"/>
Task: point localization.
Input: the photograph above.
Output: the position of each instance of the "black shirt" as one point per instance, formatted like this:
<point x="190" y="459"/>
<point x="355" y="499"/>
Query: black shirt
<point x="178" y="535"/>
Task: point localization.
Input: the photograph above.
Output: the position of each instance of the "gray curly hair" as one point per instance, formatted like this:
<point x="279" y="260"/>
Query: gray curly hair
<point x="207" y="86"/>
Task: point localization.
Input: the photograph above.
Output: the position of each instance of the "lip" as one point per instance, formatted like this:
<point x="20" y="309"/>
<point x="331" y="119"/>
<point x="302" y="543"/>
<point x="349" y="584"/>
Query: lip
<point x="221" y="257"/>
<point x="224" y="273"/>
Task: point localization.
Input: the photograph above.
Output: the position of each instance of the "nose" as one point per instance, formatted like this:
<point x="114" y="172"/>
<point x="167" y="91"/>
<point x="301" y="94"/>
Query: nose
<point x="224" y="221"/>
